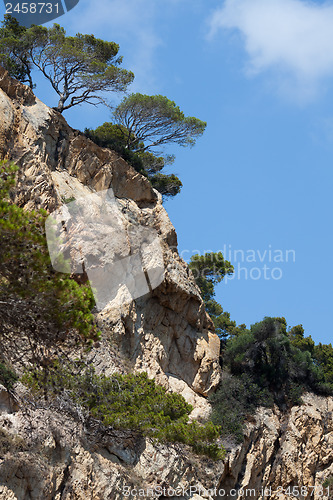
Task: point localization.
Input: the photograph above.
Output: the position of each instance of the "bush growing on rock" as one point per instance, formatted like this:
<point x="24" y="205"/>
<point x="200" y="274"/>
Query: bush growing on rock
<point x="143" y="123"/>
<point x="148" y="164"/>
<point x="129" y="402"/>
<point x="267" y="365"/>
<point x="8" y="377"/>
<point x="236" y="398"/>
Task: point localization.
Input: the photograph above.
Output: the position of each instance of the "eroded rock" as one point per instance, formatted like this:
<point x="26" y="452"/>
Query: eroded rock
<point x="165" y="332"/>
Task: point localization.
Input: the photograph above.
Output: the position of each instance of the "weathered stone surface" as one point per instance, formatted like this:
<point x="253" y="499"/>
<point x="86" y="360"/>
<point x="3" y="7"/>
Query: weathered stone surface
<point x="281" y="450"/>
<point x="64" y="461"/>
<point x="168" y="331"/>
<point x="7" y="402"/>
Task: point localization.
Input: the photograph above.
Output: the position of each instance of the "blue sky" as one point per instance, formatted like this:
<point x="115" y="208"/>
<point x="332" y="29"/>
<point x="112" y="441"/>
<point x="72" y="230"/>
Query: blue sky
<point x="260" y="72"/>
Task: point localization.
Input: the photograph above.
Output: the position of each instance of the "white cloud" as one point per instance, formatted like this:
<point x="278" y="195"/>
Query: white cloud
<point x="292" y="38"/>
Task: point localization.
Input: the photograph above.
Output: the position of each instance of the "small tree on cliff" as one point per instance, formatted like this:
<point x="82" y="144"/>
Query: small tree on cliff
<point x="79" y="68"/>
<point x="151" y="121"/>
<point x="209" y="270"/>
<point x="14" y="55"/>
<point x="143" y="123"/>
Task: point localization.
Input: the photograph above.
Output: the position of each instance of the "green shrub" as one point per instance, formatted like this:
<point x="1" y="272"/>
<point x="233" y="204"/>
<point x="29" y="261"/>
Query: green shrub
<point x="328" y="483"/>
<point x="67" y="200"/>
<point x="114" y="136"/>
<point x="323" y="357"/>
<point x="270" y="358"/>
<point x="130" y="402"/>
<point x="7" y="376"/>
<point x="110" y="136"/>
<point x="167" y="184"/>
<point x="236" y="398"/>
<point x="202" y="438"/>
<point x="295" y="393"/>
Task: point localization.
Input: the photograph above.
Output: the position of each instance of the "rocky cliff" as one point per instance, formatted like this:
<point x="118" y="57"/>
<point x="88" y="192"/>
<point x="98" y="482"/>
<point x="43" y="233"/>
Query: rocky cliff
<point x="167" y="333"/>
<point x="47" y="455"/>
<point x="284" y="455"/>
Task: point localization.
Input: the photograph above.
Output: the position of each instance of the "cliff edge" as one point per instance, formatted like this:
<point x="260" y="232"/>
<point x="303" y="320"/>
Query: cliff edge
<point x="167" y="333"/>
<point x="46" y="454"/>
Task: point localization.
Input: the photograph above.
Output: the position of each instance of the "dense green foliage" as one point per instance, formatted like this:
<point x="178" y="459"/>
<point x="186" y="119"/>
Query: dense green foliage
<point x="7" y="376"/>
<point x="82" y="69"/>
<point x="328" y="483"/>
<point x="208" y="270"/>
<point x="79" y="68"/>
<point x="266" y="355"/>
<point x="296" y="335"/>
<point x="152" y="121"/>
<point x="167" y="184"/>
<point x="129" y="402"/>
<point x="323" y="356"/>
<point x="142" y="123"/>
<point x="14" y="51"/>
<point x="37" y="304"/>
<point x="269" y="364"/>
<point x="236" y="399"/>
<point x="262" y="365"/>
<point x="110" y="136"/>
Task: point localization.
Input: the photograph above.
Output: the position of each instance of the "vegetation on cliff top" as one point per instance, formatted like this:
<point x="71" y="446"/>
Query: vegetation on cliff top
<point x="110" y="136"/>
<point x="265" y="364"/>
<point x="79" y="68"/>
<point x="143" y="123"/>
<point x="208" y="270"/>
<point x="84" y="69"/>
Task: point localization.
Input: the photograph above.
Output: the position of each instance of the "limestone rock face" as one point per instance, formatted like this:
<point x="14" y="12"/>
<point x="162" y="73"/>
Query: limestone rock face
<point x="54" y="458"/>
<point x="167" y="332"/>
<point x="7" y="403"/>
<point x="284" y="449"/>
<point x="57" y="459"/>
